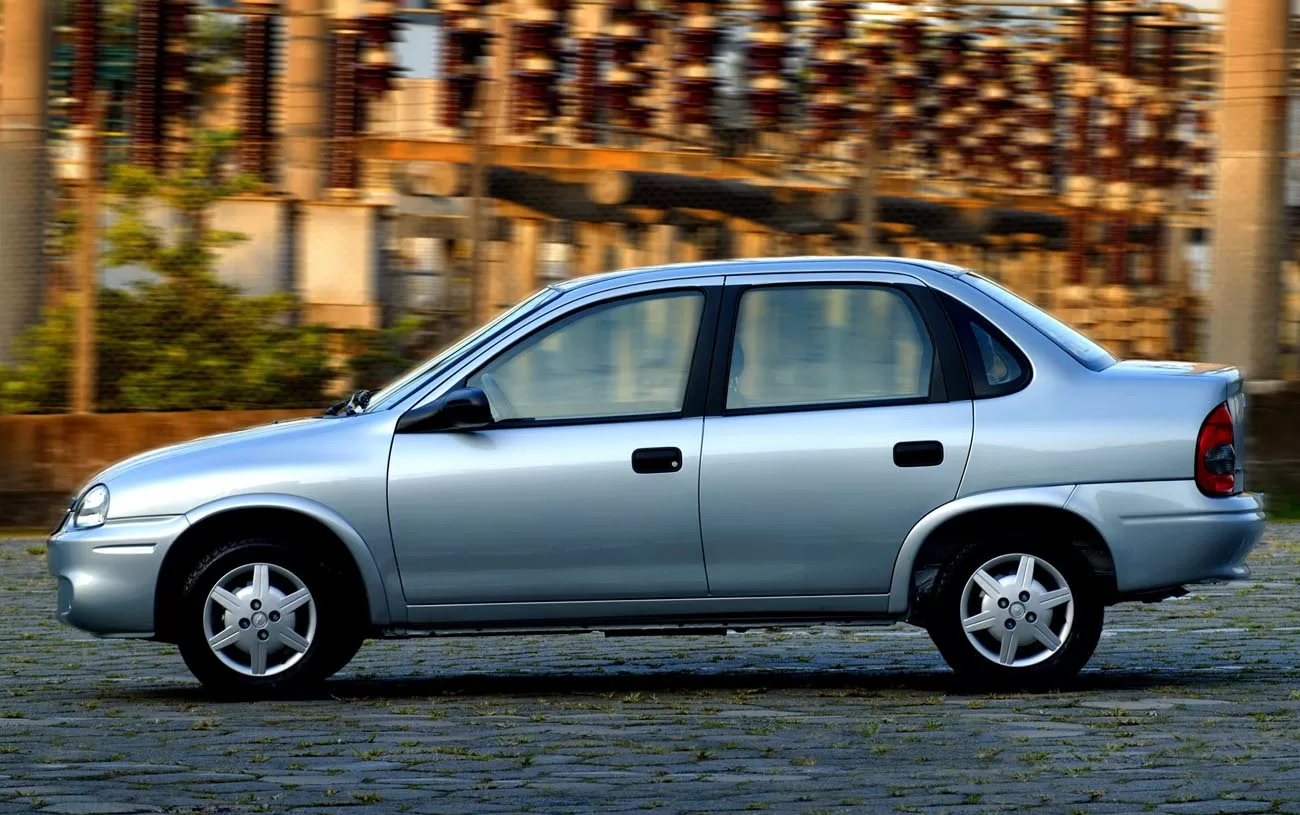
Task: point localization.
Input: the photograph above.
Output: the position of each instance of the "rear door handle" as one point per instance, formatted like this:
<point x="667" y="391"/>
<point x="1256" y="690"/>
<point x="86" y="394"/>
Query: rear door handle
<point x="656" y="460"/>
<point x="918" y="454"/>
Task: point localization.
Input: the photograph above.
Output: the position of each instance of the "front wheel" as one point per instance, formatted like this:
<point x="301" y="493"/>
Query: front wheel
<point x="1010" y="615"/>
<point x="258" y="616"/>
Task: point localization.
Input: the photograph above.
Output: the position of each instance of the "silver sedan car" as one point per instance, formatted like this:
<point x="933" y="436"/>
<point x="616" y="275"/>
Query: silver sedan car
<point x="691" y="449"/>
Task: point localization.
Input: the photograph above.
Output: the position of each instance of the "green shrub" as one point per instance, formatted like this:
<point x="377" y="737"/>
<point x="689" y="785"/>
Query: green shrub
<point x="187" y="340"/>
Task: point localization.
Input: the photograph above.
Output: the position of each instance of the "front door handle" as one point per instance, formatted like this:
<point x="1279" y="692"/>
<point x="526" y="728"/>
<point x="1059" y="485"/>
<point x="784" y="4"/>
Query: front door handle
<point x="918" y="454"/>
<point x="656" y="460"/>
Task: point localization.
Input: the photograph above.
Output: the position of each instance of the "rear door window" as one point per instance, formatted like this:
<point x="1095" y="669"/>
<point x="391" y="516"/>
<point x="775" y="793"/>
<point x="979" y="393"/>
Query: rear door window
<point x="808" y="346"/>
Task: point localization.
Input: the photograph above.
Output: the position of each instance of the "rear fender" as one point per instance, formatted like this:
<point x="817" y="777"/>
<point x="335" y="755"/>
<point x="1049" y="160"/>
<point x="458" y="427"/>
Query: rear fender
<point x="900" y="588"/>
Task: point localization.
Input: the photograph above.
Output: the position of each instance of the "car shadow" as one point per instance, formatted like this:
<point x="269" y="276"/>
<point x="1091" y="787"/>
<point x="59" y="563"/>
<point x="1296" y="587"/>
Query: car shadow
<point x="594" y="682"/>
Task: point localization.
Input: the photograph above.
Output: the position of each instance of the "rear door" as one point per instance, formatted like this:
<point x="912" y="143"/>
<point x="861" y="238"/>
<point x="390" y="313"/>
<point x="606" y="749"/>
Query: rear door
<point x="839" y="415"/>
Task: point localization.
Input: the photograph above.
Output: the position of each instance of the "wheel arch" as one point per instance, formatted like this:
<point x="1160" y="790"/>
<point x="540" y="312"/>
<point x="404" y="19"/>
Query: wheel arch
<point x="214" y="522"/>
<point x="936" y="535"/>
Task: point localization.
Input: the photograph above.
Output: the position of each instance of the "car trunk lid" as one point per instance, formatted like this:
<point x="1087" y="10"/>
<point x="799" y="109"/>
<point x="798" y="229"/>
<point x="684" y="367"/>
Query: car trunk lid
<point x="1220" y="383"/>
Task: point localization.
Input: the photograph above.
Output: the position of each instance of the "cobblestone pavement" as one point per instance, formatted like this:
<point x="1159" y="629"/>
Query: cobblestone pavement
<point x="1190" y="706"/>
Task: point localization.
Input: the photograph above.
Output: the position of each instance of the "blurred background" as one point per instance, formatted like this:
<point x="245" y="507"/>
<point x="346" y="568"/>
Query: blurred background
<point x="214" y="214"/>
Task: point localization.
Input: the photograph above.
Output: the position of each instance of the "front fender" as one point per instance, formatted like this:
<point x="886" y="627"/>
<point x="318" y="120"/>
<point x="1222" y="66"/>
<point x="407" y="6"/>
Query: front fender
<point x="900" y="589"/>
<point x="377" y="594"/>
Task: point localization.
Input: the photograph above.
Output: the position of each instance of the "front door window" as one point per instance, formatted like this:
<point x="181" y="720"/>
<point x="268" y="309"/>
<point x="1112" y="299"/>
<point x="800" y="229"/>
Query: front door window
<point x="626" y="358"/>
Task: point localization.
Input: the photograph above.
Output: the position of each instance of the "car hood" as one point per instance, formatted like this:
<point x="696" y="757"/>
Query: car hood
<point x="204" y="443"/>
<point x="333" y="461"/>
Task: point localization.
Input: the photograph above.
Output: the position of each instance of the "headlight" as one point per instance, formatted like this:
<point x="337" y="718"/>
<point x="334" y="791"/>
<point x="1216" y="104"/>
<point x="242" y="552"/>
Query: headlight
<point x="92" y="509"/>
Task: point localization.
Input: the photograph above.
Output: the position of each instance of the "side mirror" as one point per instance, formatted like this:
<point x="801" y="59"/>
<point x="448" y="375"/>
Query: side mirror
<point x="460" y="409"/>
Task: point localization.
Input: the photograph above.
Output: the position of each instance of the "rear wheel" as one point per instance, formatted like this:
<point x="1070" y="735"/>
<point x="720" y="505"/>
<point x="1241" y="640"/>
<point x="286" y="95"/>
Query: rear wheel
<point x="258" y="616"/>
<point x="1016" y="615"/>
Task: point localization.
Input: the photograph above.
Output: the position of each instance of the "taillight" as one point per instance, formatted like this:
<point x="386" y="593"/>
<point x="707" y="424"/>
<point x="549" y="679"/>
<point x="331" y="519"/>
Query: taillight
<point x="1216" y="457"/>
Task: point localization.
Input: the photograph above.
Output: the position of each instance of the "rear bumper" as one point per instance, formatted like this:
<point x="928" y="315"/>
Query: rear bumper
<point x="107" y="576"/>
<point x="1166" y="533"/>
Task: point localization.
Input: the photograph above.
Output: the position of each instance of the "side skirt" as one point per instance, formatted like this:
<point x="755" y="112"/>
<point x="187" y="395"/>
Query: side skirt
<point x="695" y="616"/>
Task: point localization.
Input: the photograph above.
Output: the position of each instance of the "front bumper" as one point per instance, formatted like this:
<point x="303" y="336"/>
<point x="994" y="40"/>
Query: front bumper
<point x="1166" y="533"/>
<point x="107" y="576"/>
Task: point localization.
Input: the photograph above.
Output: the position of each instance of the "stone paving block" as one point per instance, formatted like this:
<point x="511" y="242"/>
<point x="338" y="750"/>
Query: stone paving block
<point x="36" y="790"/>
<point x="1189" y="706"/>
<point x="1218" y="807"/>
<point x="96" y="808"/>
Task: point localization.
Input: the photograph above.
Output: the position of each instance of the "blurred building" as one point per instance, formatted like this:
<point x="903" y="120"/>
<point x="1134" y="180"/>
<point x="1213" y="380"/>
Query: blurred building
<point x="1066" y="147"/>
<point x="694" y="130"/>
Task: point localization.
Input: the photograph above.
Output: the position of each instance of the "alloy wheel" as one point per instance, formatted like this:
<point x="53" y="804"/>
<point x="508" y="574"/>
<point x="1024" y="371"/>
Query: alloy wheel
<point x="259" y="619"/>
<point x="1017" y="610"/>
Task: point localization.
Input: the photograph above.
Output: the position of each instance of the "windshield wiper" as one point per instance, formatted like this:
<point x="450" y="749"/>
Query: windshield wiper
<point x="353" y="404"/>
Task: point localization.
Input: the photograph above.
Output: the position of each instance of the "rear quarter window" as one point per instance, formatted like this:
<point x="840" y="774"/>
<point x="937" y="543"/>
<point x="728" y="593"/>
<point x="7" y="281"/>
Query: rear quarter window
<point x="996" y="366"/>
<point x="1085" y="351"/>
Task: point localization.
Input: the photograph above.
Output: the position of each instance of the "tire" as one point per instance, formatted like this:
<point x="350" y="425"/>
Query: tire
<point x="261" y="609"/>
<point x="1051" y="639"/>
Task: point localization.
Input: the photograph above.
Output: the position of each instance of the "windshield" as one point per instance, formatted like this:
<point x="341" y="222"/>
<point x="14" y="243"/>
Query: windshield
<point x="1087" y="352"/>
<point x="402" y="386"/>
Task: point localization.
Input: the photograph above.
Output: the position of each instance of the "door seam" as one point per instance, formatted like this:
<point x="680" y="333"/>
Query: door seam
<point x="699" y="508"/>
<point x="970" y="451"/>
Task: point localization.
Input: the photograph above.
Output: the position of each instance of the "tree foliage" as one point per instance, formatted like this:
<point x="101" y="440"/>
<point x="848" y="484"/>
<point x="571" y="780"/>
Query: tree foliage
<point x="184" y="339"/>
<point x="215" y="46"/>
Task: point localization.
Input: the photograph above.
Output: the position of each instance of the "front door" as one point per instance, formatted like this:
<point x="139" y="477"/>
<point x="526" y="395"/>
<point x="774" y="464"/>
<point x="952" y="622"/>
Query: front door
<point x="836" y="436"/>
<point x="586" y="485"/>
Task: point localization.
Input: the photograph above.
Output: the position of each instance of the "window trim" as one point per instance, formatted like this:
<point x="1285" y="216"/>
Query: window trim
<point x="962" y="317"/>
<point x="947" y="380"/>
<point x="696" y="377"/>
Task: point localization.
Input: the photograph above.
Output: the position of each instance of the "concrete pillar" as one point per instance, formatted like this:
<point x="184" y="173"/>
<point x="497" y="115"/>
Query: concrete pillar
<point x="497" y="95"/>
<point x="496" y="297"/>
<point x="526" y="269"/>
<point x="1173" y="257"/>
<point x="661" y="238"/>
<point x="305" y="97"/>
<point x="631" y="255"/>
<point x="752" y="245"/>
<point x="1056" y="273"/>
<point x="341" y="271"/>
<point x="660" y="52"/>
<point x="262" y="263"/>
<point x="24" y="170"/>
<point x="593" y="239"/>
<point x="689" y="250"/>
<point x="1249" y="213"/>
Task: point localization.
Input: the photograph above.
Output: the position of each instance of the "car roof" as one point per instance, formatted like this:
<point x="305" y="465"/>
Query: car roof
<point x="705" y="268"/>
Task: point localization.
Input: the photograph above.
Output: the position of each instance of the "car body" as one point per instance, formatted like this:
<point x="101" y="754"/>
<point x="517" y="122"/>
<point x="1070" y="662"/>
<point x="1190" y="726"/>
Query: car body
<point x="696" y="447"/>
